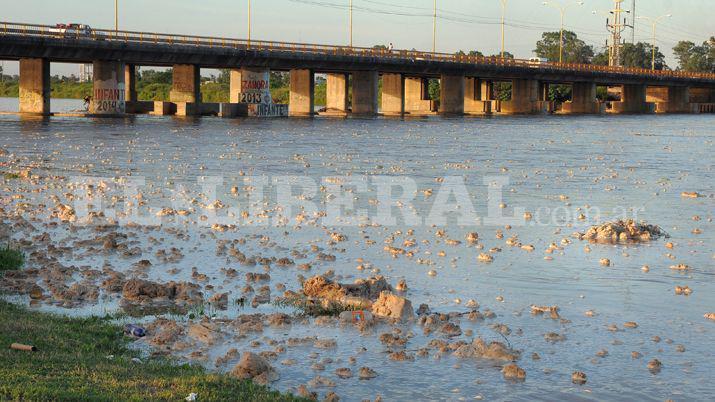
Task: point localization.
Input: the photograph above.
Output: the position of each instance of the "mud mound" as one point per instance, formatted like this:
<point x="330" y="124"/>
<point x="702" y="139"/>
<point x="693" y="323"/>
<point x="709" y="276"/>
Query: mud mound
<point x="622" y="231"/>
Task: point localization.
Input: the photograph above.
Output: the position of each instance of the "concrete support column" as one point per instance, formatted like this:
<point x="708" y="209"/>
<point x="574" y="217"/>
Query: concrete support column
<point x="302" y="93"/>
<point x="472" y="89"/>
<point x="35" y="86"/>
<point x="486" y="89"/>
<point x="678" y="101"/>
<point x="336" y="94"/>
<point x="186" y="85"/>
<point x="234" y="88"/>
<point x="108" y="97"/>
<point x="417" y="96"/>
<point x="365" y="92"/>
<point x="473" y="103"/>
<point x="451" y="94"/>
<point x="633" y="100"/>
<point x="543" y="91"/>
<point x="583" y="99"/>
<point x="524" y="98"/>
<point x="393" y="94"/>
<point x="130" y="83"/>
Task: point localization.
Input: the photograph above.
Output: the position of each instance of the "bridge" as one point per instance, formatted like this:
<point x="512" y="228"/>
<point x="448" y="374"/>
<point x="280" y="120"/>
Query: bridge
<point x="466" y="81"/>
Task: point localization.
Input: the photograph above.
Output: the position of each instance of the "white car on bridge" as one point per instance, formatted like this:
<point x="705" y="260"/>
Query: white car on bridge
<point x="76" y="31"/>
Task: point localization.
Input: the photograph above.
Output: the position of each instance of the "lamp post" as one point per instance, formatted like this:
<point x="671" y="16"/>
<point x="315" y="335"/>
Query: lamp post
<point x="351" y="23"/>
<point x="654" y="22"/>
<point x="116" y="16"/>
<point x="562" y="10"/>
<point x="434" y="28"/>
<point x="503" y="12"/>
<point x="249" y="24"/>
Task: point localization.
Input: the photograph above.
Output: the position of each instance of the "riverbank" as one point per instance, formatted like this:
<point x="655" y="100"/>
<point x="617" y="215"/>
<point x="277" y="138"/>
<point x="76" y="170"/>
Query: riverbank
<point x="88" y="358"/>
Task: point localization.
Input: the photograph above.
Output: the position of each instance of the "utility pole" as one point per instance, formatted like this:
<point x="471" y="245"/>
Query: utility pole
<point x="503" y="12"/>
<point x="434" y="29"/>
<point x="616" y="27"/>
<point x="351" y="23"/>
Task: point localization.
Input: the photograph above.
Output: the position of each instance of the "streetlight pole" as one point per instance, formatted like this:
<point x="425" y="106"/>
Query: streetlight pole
<point x="654" y="22"/>
<point x="562" y="10"/>
<point x="351" y="23"/>
<point x="249" y="24"/>
<point x="503" y="12"/>
<point x="434" y="28"/>
<point x="116" y="16"/>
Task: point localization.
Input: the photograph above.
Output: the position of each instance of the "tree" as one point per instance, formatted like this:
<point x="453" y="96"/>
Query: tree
<point x="575" y="50"/>
<point x="156" y="77"/>
<point x="224" y="77"/>
<point x="474" y="53"/>
<point x="639" y="55"/>
<point x="601" y="59"/>
<point x="692" y="57"/>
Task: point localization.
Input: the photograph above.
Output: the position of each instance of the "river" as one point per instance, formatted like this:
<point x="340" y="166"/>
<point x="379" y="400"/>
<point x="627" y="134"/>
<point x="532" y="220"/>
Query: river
<point x="557" y="168"/>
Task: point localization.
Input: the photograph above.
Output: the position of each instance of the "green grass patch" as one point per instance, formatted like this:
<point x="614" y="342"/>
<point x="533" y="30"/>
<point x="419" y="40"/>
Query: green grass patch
<point x="11" y="176"/>
<point x="10" y="259"/>
<point x="72" y="363"/>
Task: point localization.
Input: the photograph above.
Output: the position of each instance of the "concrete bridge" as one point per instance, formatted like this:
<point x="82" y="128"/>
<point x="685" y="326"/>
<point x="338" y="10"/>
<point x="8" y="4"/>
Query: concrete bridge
<point x="466" y="82"/>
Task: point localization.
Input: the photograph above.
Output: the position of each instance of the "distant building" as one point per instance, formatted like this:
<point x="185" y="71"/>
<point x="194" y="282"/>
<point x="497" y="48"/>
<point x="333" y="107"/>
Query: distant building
<point x="85" y="72"/>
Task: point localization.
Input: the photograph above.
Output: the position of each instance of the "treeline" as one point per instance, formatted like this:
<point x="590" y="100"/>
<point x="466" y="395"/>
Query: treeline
<point x="690" y="56"/>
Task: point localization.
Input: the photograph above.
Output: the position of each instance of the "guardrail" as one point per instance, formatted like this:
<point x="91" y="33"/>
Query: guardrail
<point x="10" y="28"/>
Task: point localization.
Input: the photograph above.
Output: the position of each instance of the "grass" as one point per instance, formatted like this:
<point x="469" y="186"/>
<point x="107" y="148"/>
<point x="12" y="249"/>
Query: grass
<point x="72" y="364"/>
<point x="11" y="176"/>
<point x="10" y="259"/>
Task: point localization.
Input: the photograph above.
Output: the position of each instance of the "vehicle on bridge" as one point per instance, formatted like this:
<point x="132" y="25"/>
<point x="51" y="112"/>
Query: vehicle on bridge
<point x="76" y="31"/>
<point x="537" y="61"/>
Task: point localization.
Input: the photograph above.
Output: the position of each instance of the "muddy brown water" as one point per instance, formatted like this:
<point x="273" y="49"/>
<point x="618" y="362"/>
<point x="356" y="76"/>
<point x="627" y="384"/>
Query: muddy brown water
<point x="624" y="163"/>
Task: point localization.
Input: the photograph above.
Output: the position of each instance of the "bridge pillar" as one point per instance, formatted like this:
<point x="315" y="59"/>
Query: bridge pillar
<point x="234" y="86"/>
<point x="583" y="99"/>
<point x="35" y="86"/>
<point x="524" y="98"/>
<point x="451" y="94"/>
<point x="393" y="94"/>
<point x="336" y="94"/>
<point x="186" y="89"/>
<point x="473" y="102"/>
<point x="417" y="99"/>
<point x="486" y="90"/>
<point x="676" y="99"/>
<point x="633" y="100"/>
<point x="130" y="83"/>
<point x="365" y="92"/>
<point x="108" y="97"/>
<point x="302" y="93"/>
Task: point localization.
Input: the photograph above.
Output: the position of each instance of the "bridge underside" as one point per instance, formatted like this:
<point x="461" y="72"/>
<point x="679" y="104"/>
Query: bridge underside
<point x="465" y="88"/>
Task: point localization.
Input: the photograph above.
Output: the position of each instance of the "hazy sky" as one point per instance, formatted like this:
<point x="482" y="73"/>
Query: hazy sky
<point x="463" y="24"/>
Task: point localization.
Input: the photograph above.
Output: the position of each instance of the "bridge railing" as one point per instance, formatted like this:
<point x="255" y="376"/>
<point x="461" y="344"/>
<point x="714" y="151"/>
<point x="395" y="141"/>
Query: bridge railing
<point x="46" y="31"/>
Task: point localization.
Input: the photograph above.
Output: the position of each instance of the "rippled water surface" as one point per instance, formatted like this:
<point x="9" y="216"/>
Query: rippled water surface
<point x="637" y="165"/>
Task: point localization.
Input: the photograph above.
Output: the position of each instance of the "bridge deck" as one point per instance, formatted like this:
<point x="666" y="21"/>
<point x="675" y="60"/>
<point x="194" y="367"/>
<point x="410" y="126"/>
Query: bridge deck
<point x="154" y="49"/>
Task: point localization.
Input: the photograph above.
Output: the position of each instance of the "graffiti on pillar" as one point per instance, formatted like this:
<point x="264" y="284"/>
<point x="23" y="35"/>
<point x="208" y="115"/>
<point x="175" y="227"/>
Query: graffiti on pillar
<point x="256" y="92"/>
<point x="108" y="97"/>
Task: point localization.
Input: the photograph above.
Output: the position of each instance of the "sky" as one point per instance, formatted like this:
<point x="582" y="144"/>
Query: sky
<point x="462" y="24"/>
